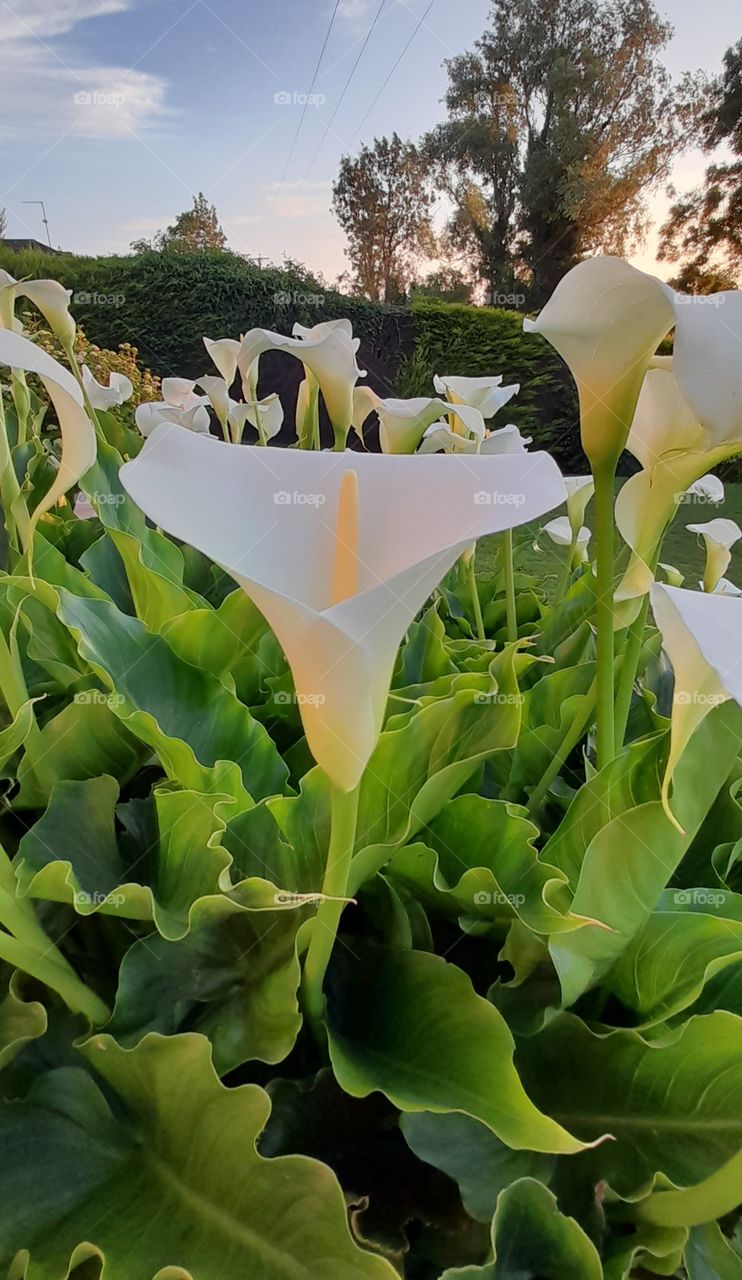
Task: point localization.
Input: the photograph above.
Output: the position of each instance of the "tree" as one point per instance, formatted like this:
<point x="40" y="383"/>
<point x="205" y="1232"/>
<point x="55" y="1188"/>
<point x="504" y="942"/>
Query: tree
<point x="382" y="199"/>
<point x="560" y="122"/>
<point x="703" y="230"/>
<point x="194" y="230"/>
<point x="447" y="284"/>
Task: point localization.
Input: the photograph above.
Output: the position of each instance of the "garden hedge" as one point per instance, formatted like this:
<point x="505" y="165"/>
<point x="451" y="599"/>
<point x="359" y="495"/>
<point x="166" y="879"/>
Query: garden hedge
<point x="164" y="302"/>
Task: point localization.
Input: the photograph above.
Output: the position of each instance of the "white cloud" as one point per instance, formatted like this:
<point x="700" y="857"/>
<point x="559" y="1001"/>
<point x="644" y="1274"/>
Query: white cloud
<point x="46" y="89"/>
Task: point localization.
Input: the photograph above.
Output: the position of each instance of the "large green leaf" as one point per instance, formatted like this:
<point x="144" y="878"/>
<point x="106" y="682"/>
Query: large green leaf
<point x="204" y="737"/>
<point x="72" y="855"/>
<point x="674" y="1106"/>
<point x="411" y="1025"/>
<point x="710" y="1256"/>
<point x="85" y="739"/>
<point x="532" y="1240"/>
<point x="20" y="1020"/>
<point x="478" y="858"/>
<point x="160" y="1177"/>
<point x="550" y="708"/>
<point x="234" y="978"/>
<point x="692" y="935"/>
<point x="629" y="861"/>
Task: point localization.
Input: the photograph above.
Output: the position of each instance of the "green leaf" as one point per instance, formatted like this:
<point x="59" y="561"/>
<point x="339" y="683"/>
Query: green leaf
<point x="205" y="739"/>
<point x="691" y="936"/>
<point x="674" y="1106"/>
<point x="20" y="1020"/>
<point x="469" y="1152"/>
<point x="410" y="1025"/>
<point x="629" y="861"/>
<point x="13" y="736"/>
<point x="710" y="1256"/>
<point x="532" y="1240"/>
<point x="72" y="855"/>
<point x="159" y="1176"/>
<point x="425" y="756"/>
<point x="85" y="739"/>
<point x="234" y="978"/>
<point x="478" y="858"/>
<point x="549" y="710"/>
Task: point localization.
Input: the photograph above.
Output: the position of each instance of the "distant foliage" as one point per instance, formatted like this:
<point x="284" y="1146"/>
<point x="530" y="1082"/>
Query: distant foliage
<point x="194" y="231"/>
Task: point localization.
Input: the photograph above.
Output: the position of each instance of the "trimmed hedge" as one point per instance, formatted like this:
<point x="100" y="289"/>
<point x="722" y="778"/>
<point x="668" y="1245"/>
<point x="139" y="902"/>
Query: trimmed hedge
<point x="164" y="302"/>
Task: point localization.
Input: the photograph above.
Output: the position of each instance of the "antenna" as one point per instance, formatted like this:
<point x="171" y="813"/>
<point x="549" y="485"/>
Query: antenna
<point x="44" y="218"/>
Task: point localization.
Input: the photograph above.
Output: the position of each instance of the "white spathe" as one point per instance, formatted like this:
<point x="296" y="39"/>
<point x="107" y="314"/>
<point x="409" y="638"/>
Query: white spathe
<point x="328" y="351"/>
<point x="485" y="394"/>
<point x="118" y="390"/>
<point x="224" y="353"/>
<point x="48" y="296"/>
<point x="560" y="532"/>
<point x="270" y="519"/>
<point x="719" y="537"/>
<point x="148" y="416"/>
<point x="77" y="431"/>
<point x="709" y="489"/>
<point x="403" y="423"/>
<point x="701" y="636"/>
<point x="580" y="490"/>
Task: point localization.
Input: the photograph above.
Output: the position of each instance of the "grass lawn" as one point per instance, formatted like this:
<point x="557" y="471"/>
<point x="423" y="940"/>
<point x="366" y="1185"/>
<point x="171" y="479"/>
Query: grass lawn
<point x="680" y="549"/>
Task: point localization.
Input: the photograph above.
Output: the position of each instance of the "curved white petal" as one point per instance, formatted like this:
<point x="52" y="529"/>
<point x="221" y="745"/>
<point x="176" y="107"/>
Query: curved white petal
<point x="440" y="437"/>
<point x="606" y="320"/>
<point x="365" y="402"/>
<point x="118" y="390"/>
<point x="218" y="393"/>
<point x="224" y="353"/>
<point x="53" y="301"/>
<point x="485" y="394"/>
<point x="673" y="576"/>
<point x="77" y="431"/>
<point x="403" y="423"/>
<point x="329" y="354"/>
<point x="663" y="422"/>
<point x="179" y="392"/>
<point x="726" y="588"/>
<point x="269" y="519"/>
<point x="709" y="489"/>
<point x="580" y="490"/>
<point x="560" y="532"/>
<point x="719" y="537"/>
<point x="312" y="332"/>
<point x="147" y="416"/>
<point x="265" y="415"/>
<point x="706" y="361"/>
<point x="506" y="440"/>
<point x="701" y="635"/>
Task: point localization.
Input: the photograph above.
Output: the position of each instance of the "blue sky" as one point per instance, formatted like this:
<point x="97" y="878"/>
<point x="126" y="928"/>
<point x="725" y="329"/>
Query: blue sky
<point x="115" y="112"/>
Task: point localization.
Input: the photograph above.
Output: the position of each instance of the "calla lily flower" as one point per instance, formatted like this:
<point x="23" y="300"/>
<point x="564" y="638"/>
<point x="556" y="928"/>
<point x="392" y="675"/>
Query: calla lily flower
<point x="266" y="416"/>
<point x="328" y="352"/>
<point x="580" y="490"/>
<point x="147" y="417"/>
<point x="118" y="390"/>
<point x="673" y="576"/>
<point x="505" y="440"/>
<point x="485" y="394"/>
<point x="180" y="393"/>
<point x="709" y="489"/>
<point x="701" y="636"/>
<point x="224" y="353"/>
<point x="560" y="532"/>
<point x="217" y="392"/>
<point x="48" y="296"/>
<point x="338" y="551"/>
<point x="606" y="320"/>
<point x="726" y="588"/>
<point x="403" y="423"/>
<point x="77" y="431"/>
<point x="719" y="537"/>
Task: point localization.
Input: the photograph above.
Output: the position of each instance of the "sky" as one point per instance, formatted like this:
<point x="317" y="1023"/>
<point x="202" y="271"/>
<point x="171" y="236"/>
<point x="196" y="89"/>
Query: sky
<point x="116" y="112"/>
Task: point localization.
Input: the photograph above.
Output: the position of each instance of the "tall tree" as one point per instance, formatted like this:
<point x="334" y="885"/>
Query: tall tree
<point x="382" y="199"/>
<point x="195" y="229"/>
<point x="560" y="122"/>
<point x="703" y="231"/>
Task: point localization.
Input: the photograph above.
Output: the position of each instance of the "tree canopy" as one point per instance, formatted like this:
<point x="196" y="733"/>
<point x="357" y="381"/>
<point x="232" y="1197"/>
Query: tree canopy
<point x="195" y="229"/>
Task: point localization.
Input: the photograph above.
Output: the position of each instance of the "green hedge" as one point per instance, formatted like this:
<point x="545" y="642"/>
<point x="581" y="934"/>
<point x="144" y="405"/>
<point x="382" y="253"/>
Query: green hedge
<point x="164" y="302"/>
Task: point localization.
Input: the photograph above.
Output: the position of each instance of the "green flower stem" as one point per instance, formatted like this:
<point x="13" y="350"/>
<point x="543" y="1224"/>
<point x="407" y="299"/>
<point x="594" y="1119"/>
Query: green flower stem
<point x="509" y="568"/>
<point x="469" y="560"/>
<point x="629" y="666"/>
<point x="311" y="429"/>
<point x="17" y="520"/>
<point x="605" y="569"/>
<point x="22" y="402"/>
<point x="69" y="351"/>
<point x="575" y="732"/>
<point x="344" y="816"/>
<point x="563" y="581"/>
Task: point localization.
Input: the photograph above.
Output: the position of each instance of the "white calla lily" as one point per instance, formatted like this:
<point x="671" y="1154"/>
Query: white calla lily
<point x="403" y="423"/>
<point x="560" y="531"/>
<point x="148" y="416"/>
<point x="266" y="416"/>
<point x="219" y="398"/>
<point x="726" y="588"/>
<point x="118" y="390"/>
<point x="708" y="489"/>
<point x="77" y="431"/>
<point x="580" y="490"/>
<point x="328" y="352"/>
<point x="48" y="296"/>
<point x="224" y="353"/>
<point x="338" y="551"/>
<point x="180" y="393"/>
<point x="485" y="394"/>
<point x="719" y="537"/>
<point x="365" y="402"/>
<point x="321" y="330"/>
<point x="507" y="439"/>
<point x="701" y="636"/>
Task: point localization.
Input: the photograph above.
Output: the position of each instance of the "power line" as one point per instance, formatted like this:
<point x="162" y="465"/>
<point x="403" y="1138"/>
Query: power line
<point x="346" y="86"/>
<point x="394" y="68"/>
<point x="311" y="91"/>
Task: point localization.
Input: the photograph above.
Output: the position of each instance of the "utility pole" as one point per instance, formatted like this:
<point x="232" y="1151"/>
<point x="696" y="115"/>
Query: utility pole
<point x="44" y="218"/>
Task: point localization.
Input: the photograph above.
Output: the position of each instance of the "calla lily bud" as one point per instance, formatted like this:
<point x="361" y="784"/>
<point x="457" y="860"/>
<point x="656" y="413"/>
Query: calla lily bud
<point x="118" y="390"/>
<point x="719" y="537"/>
<point x="224" y="353"/>
<point x="580" y="490"/>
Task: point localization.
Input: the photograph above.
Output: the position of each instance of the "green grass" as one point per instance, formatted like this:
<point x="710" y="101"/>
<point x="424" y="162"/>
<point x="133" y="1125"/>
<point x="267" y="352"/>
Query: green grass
<point x="680" y="549"/>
